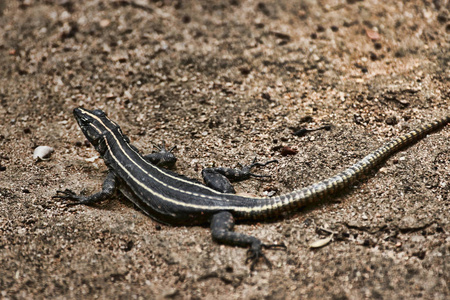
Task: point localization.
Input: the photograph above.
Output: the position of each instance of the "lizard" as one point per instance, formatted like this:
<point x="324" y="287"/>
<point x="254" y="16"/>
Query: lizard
<point x="174" y="199"/>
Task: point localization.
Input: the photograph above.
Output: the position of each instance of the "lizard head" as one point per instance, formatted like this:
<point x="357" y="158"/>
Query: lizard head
<point x="95" y="125"/>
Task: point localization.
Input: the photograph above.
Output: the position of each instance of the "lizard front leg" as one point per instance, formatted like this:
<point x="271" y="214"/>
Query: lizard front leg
<point x="163" y="158"/>
<point x="108" y="189"/>
<point x="219" y="178"/>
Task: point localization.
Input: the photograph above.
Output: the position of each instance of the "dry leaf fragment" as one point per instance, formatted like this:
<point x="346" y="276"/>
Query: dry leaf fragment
<point x="322" y="242"/>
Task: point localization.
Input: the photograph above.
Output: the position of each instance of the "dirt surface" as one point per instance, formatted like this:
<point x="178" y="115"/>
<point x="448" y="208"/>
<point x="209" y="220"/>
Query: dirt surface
<point x="226" y="81"/>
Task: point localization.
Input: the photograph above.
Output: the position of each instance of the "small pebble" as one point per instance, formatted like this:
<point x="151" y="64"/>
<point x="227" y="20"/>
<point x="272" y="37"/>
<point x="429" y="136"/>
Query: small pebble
<point x="288" y="151"/>
<point x="186" y="19"/>
<point x="391" y="120"/>
<point x="320" y="28"/>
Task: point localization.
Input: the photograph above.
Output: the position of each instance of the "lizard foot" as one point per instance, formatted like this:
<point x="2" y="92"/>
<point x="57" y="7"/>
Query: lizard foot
<point x="163" y="158"/>
<point x="162" y="148"/>
<point x="246" y="169"/>
<point x="255" y="253"/>
<point x="70" y="196"/>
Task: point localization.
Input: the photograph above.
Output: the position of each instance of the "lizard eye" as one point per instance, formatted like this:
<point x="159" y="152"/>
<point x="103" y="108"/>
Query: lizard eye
<point x="99" y="113"/>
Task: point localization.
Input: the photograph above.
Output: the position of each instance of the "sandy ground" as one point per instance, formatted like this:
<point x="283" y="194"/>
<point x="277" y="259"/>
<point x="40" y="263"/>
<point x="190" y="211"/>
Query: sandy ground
<point x="226" y="81"/>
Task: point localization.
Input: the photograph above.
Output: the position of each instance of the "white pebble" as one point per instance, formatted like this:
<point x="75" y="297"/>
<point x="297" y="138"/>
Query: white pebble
<point x="42" y="153"/>
<point x="92" y="159"/>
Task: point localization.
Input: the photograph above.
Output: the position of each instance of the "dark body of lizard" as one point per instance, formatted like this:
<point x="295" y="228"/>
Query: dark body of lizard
<point x="177" y="200"/>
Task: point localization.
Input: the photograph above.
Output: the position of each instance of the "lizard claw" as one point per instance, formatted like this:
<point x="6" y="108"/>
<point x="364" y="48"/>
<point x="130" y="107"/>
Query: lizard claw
<point x="162" y="148"/>
<point x="163" y="158"/>
<point x="247" y="169"/>
<point x="255" y="253"/>
<point x="68" y="195"/>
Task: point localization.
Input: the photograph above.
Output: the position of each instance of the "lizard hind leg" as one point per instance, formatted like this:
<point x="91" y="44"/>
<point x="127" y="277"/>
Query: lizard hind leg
<point x="222" y="225"/>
